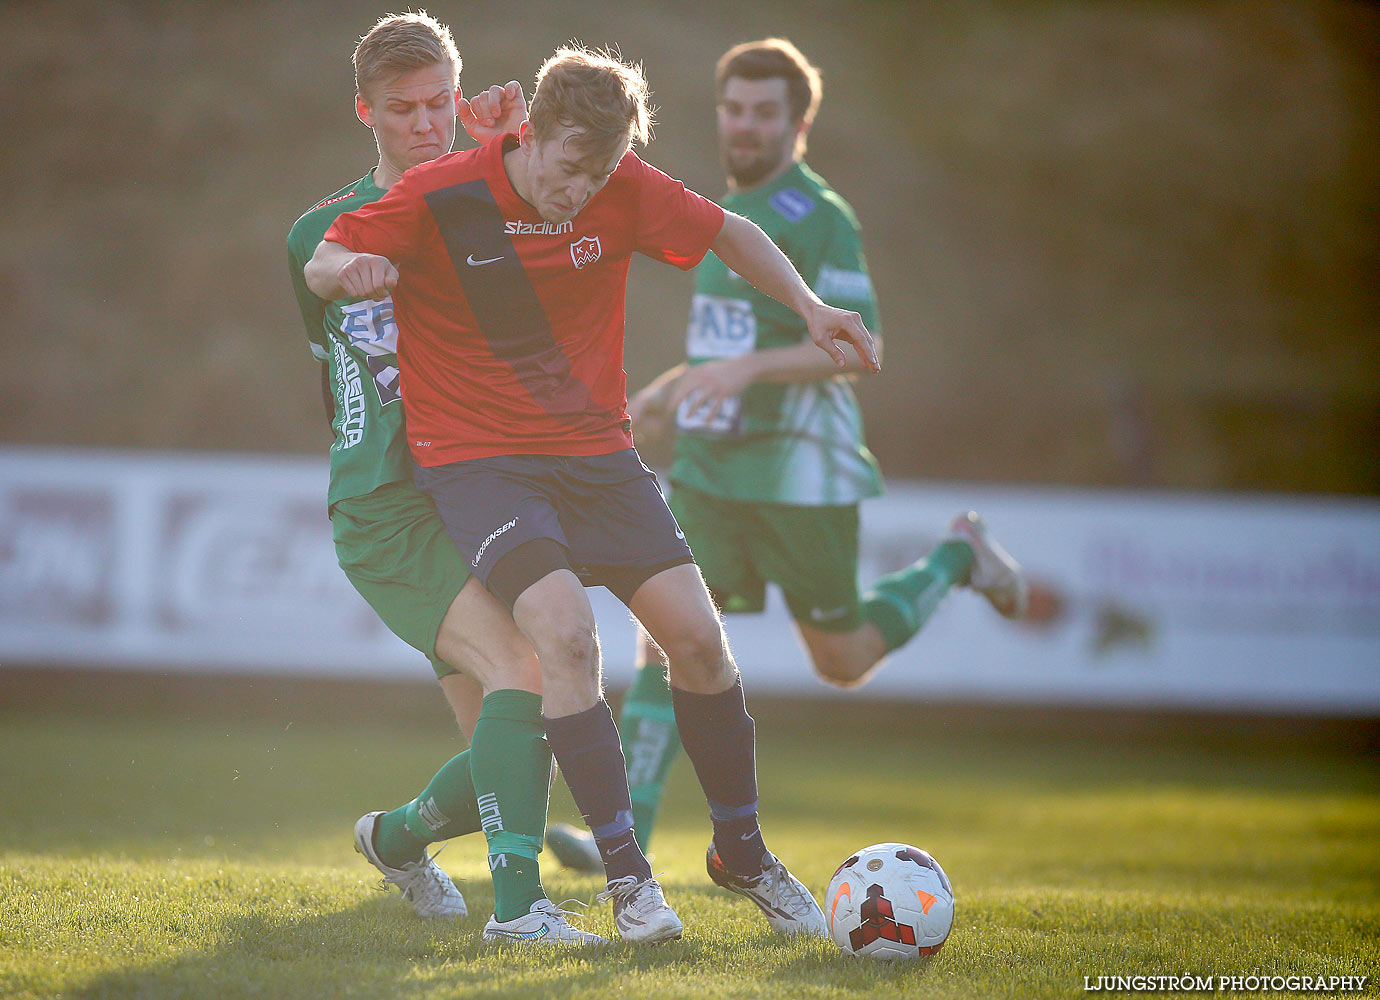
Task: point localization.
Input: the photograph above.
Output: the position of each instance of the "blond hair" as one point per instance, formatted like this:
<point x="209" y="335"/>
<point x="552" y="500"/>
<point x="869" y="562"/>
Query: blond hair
<point x="603" y="98"/>
<point x="771" y="58"/>
<point x="401" y="43"/>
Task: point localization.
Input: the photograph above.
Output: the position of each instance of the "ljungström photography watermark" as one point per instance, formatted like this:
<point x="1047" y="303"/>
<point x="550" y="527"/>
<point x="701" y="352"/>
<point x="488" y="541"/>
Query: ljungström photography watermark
<point x="1249" y="983"/>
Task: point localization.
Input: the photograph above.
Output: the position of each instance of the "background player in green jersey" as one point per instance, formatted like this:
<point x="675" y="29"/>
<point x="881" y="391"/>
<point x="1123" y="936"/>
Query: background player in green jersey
<point x="390" y="542"/>
<point x="769" y="462"/>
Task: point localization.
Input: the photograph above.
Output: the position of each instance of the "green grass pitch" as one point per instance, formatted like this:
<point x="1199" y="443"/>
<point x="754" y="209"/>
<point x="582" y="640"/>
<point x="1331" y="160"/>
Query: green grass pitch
<point x="165" y="854"/>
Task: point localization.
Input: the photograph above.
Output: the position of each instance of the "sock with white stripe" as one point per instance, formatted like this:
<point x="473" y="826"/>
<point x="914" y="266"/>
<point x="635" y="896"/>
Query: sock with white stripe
<point x="511" y="763"/>
<point x="651" y="744"/>
<point x="445" y="809"/>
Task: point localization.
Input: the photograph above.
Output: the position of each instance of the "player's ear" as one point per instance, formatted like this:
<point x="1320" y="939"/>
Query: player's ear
<point x="362" y="110"/>
<point x="459" y="100"/>
<point x="526" y="137"/>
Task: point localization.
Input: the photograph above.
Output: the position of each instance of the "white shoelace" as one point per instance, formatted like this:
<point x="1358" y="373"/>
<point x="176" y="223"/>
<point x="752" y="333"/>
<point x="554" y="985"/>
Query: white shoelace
<point x="618" y="888"/>
<point x="423" y="879"/>
<point x="558" y="914"/>
<point x="621" y="889"/>
<point x="558" y="909"/>
<point x="785" y="892"/>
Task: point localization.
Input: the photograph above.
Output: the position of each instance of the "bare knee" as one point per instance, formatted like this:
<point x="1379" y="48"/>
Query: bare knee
<point x="843" y="660"/>
<point x="570" y="644"/>
<point x="840" y="671"/>
<point x="477" y="636"/>
<point x="506" y="661"/>
<point x="696" y="649"/>
<point x="648" y="652"/>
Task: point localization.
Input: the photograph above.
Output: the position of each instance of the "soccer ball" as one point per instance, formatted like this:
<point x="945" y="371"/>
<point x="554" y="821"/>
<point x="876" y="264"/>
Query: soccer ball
<point x="890" y="901"/>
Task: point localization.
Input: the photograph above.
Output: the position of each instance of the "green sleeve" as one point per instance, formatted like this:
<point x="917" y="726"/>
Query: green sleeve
<point x="312" y="308"/>
<point x="842" y="279"/>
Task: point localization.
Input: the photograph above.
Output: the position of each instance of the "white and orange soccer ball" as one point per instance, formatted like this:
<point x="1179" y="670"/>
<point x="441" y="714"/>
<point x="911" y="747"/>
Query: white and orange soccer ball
<point x="889" y="902"/>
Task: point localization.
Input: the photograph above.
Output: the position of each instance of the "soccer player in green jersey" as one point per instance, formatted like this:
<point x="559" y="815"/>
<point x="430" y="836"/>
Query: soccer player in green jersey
<point x="390" y="542"/>
<point x="769" y="462"/>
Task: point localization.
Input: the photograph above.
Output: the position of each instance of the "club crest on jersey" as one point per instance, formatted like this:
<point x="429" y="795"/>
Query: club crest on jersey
<point x="585" y="251"/>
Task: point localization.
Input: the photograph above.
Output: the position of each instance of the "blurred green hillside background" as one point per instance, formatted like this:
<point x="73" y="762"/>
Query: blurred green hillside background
<point x="1114" y="243"/>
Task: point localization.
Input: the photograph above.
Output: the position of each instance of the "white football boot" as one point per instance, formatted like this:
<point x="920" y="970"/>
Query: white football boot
<point x="423" y="883"/>
<point x="783" y="900"/>
<point x="996" y="576"/>
<point x="574" y="848"/>
<point x="545" y="923"/>
<point x="640" y="910"/>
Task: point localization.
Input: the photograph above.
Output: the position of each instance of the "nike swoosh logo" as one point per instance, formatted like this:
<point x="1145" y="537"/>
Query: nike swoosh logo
<point x="540" y="932"/>
<point x="476" y="263"/>
<point x="844" y="891"/>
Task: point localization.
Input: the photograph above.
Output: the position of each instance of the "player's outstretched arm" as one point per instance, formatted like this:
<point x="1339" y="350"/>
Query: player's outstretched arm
<point x="337" y="272"/>
<point x="744" y="248"/>
<point x="709" y="384"/>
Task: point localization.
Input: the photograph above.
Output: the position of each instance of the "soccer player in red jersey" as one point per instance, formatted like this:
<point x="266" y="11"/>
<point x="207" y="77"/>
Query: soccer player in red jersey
<point x="395" y="549"/>
<point x="508" y="269"/>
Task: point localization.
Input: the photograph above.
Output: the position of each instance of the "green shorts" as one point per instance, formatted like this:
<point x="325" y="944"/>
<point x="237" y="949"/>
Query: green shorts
<point x="811" y="553"/>
<point x="394" y="549"/>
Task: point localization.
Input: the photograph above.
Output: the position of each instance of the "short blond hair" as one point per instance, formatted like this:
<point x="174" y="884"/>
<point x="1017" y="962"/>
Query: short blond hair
<point x="596" y="93"/>
<point x="401" y="43"/>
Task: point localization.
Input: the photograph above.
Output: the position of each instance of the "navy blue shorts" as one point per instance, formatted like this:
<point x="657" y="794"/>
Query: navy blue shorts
<point x="601" y="516"/>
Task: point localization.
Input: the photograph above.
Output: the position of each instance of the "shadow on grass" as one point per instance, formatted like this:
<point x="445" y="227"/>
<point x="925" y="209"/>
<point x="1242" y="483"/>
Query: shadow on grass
<point x="372" y="949"/>
<point x="376" y="948"/>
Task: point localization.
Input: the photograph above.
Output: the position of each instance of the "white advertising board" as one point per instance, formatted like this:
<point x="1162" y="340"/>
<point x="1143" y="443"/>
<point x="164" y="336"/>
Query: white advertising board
<point x="200" y="563"/>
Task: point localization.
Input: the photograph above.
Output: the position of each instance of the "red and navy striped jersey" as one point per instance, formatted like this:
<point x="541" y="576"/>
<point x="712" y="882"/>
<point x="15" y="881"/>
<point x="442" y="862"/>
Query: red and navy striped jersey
<point x="510" y="328"/>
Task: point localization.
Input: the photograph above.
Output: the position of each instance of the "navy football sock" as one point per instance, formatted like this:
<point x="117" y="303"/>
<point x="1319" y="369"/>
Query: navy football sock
<point x="720" y="739"/>
<point x="586" y="747"/>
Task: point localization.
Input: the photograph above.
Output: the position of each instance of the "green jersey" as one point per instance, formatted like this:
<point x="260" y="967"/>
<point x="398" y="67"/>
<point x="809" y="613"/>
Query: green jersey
<point x="358" y="343"/>
<point x="797" y="443"/>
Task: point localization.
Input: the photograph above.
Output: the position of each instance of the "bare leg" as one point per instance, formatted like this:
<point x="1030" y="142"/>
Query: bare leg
<point x="845" y="659"/>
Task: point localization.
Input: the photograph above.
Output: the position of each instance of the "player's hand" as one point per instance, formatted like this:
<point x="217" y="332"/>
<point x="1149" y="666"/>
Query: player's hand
<point x="707" y="385"/>
<point x="647" y="409"/>
<point x="648" y="403"/>
<point x="367" y="276"/>
<point x="493" y="112"/>
<point x="828" y="325"/>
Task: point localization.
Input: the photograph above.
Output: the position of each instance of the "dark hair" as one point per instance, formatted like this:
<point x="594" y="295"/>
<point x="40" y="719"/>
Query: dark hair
<point x="771" y="58"/>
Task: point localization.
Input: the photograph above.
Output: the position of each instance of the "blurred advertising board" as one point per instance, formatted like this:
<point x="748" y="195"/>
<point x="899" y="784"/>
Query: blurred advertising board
<point x="225" y="563"/>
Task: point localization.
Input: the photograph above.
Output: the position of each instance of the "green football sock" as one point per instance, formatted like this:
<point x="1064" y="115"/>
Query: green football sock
<point x="511" y="764"/>
<point x="900" y="603"/>
<point x="445" y="809"/>
<point x="651" y="744"/>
